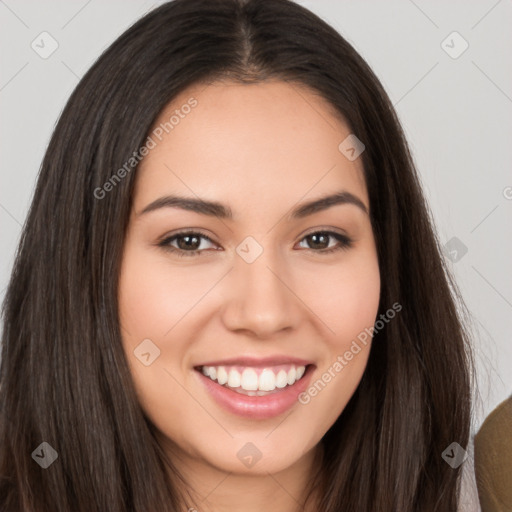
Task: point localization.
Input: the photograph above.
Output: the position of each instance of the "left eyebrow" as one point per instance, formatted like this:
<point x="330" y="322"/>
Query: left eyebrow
<point x="317" y="205"/>
<point x="216" y="209"/>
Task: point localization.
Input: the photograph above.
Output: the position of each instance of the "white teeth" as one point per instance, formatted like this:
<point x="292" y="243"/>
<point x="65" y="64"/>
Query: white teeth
<point x="267" y="380"/>
<point x="249" y="380"/>
<point x="281" y="379"/>
<point x="222" y="375"/>
<point x="234" y="379"/>
<point x="292" y="376"/>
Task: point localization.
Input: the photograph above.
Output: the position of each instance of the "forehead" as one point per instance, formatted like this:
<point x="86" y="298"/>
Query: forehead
<point x="251" y="143"/>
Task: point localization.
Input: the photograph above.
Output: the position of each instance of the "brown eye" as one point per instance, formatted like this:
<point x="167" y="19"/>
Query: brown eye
<point x="319" y="241"/>
<point x="185" y="244"/>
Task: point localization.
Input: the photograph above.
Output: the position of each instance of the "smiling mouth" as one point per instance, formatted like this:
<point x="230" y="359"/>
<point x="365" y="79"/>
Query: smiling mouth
<point x="255" y="381"/>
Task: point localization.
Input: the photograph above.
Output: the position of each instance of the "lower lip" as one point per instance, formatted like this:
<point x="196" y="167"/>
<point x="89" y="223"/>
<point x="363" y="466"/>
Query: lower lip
<point x="257" y="407"/>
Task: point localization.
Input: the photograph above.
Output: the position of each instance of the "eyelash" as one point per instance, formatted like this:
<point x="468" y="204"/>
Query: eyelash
<point x="344" y="242"/>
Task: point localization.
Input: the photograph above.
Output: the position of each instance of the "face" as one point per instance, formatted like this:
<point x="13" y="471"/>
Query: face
<point x="241" y="291"/>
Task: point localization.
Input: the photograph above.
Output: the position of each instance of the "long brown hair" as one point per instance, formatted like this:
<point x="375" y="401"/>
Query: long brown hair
<point x="64" y="377"/>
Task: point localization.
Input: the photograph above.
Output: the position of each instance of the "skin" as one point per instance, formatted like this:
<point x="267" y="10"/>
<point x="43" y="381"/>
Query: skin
<point x="261" y="149"/>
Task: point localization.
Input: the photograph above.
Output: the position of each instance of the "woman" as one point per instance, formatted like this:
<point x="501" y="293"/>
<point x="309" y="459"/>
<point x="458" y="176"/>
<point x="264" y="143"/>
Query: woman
<point x="228" y="293"/>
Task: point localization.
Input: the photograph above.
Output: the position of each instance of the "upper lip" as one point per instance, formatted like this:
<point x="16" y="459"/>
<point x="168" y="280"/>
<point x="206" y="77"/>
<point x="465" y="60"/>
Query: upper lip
<point x="257" y="361"/>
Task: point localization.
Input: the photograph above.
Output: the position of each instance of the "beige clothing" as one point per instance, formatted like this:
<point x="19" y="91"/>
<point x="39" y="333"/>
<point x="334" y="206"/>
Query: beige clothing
<point x="493" y="460"/>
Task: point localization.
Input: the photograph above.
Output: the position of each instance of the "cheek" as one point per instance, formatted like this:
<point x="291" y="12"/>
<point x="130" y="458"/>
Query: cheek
<point x="353" y="307"/>
<point x="348" y="305"/>
<point x="152" y="299"/>
<point x="154" y="296"/>
<point x="345" y="297"/>
<point x="357" y="297"/>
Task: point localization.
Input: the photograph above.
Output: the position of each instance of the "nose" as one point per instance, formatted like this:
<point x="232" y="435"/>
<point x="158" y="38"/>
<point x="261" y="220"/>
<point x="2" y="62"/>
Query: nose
<point x="259" y="298"/>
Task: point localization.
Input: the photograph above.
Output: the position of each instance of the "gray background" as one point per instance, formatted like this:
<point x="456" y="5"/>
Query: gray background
<point x="456" y="113"/>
